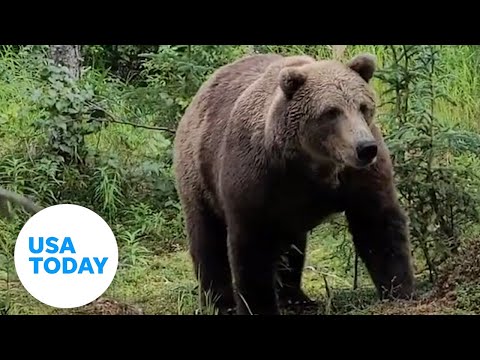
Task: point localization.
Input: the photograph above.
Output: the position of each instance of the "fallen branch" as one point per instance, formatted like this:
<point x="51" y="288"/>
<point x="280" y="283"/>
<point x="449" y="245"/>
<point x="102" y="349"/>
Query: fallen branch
<point x="112" y="118"/>
<point x="7" y="196"/>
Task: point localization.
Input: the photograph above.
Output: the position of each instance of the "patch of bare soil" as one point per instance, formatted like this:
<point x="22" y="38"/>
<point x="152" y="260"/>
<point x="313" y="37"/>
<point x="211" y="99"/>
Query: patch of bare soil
<point x="455" y="291"/>
<point x="462" y="270"/>
<point x="104" y="306"/>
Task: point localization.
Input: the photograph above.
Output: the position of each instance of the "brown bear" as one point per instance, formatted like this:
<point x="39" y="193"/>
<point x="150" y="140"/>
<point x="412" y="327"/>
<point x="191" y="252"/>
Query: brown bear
<point x="268" y="148"/>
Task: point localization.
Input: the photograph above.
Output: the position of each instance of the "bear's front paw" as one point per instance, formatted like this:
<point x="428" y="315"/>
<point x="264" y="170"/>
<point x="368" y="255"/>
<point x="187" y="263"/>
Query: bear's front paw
<point x="295" y="298"/>
<point x="227" y="311"/>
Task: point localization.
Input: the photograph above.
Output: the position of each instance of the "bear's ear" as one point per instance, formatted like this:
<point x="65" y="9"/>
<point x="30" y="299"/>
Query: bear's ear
<point x="365" y="65"/>
<point x="291" y="78"/>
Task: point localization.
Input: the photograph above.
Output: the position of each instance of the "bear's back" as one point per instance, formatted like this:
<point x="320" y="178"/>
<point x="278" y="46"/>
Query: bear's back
<point x="201" y="130"/>
<point x="216" y="97"/>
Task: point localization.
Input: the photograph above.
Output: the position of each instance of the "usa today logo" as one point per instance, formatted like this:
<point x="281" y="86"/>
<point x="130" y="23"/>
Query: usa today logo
<point x="66" y="256"/>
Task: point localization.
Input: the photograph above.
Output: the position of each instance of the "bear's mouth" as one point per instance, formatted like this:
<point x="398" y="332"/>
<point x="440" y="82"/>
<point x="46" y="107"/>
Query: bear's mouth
<point x="361" y="163"/>
<point x="353" y="161"/>
<point x="366" y="163"/>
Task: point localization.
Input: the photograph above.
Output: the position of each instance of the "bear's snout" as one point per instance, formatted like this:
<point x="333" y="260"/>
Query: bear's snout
<point x="366" y="151"/>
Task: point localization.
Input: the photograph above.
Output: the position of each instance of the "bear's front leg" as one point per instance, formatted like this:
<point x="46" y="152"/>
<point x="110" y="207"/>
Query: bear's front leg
<point x="379" y="229"/>
<point x="254" y="254"/>
<point x="291" y="270"/>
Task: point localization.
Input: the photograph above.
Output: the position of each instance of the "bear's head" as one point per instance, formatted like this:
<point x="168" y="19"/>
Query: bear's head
<point x="331" y="107"/>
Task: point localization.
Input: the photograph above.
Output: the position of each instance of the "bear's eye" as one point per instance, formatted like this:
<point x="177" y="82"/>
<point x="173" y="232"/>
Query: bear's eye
<point x="330" y="113"/>
<point x="365" y="110"/>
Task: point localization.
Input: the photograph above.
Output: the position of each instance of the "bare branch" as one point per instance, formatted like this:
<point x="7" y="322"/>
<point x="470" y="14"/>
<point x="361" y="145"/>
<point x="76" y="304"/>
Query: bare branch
<point x="355" y="274"/>
<point x="9" y="196"/>
<point x="112" y="118"/>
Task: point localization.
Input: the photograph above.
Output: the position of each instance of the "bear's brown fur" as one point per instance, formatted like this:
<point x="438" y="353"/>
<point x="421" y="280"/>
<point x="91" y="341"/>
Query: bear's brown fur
<point x="268" y="148"/>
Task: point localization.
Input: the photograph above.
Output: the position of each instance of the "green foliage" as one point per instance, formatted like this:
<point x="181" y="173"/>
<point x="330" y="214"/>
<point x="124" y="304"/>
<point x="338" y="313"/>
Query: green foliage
<point x="69" y="113"/>
<point x="317" y="51"/>
<point x="122" y="61"/>
<point x="108" y="193"/>
<point x="173" y="74"/>
<point x="433" y="161"/>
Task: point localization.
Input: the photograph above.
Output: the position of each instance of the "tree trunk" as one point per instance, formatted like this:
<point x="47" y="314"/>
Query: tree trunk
<point x="338" y="51"/>
<point x="254" y="49"/>
<point x="69" y="56"/>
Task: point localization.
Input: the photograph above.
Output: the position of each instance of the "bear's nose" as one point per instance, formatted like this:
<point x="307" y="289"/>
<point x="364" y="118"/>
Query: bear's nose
<point x="366" y="151"/>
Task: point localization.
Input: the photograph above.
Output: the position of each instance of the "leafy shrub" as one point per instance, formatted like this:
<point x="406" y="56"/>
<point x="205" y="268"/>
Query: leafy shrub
<point x="437" y="178"/>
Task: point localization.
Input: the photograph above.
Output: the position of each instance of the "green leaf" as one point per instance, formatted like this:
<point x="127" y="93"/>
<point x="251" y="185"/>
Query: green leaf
<point x="36" y="94"/>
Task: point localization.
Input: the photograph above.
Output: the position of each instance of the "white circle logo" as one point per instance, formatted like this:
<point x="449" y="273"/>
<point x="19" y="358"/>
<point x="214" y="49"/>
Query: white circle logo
<point x="66" y="256"/>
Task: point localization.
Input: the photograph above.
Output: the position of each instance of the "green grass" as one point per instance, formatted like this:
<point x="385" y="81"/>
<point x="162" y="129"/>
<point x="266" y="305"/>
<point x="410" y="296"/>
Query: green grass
<point x="165" y="284"/>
